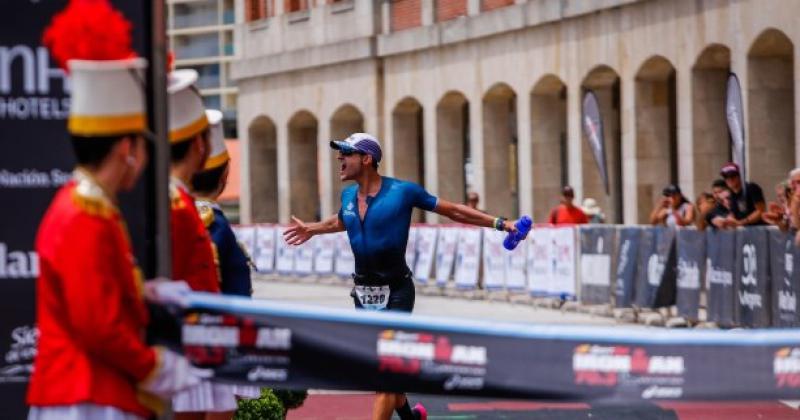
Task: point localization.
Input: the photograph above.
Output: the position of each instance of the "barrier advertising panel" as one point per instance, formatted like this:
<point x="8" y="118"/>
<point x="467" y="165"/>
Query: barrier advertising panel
<point x="468" y="258"/>
<point x="655" y="285"/>
<point x="304" y="257"/>
<point x="721" y="251"/>
<point x="627" y="260"/>
<point x="345" y="261"/>
<point x="426" y="253"/>
<point x="564" y="274"/>
<point x="324" y="253"/>
<point x="785" y="278"/>
<point x="264" y="257"/>
<point x="246" y="236"/>
<point x="752" y="277"/>
<point x="411" y="248"/>
<point x="494" y="259"/>
<point x="597" y="245"/>
<point x="515" y="262"/>
<point x="446" y="254"/>
<point x="691" y="249"/>
<point x="540" y="261"/>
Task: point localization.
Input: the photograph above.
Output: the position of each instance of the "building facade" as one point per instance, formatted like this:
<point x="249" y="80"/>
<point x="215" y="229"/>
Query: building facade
<point x="201" y="37"/>
<point x="486" y="95"/>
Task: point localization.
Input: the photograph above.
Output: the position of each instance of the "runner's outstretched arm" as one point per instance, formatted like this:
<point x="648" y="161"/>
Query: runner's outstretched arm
<point x="299" y="232"/>
<point x="464" y="214"/>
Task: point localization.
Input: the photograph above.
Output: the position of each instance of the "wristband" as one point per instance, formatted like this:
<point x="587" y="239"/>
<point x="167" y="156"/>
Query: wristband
<point x="500" y="223"/>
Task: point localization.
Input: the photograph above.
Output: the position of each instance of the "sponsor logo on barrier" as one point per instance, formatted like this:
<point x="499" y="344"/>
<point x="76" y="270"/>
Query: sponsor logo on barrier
<point x="36" y="77"/>
<point x="19" y="357"/>
<point x="688" y="275"/>
<point x="719" y="276"/>
<point x="655" y="270"/>
<point x="261" y="373"/>
<point x="786" y="367"/>
<point x="609" y="366"/>
<point x="18" y="264"/>
<point x="787" y="301"/>
<point x="460" y="366"/>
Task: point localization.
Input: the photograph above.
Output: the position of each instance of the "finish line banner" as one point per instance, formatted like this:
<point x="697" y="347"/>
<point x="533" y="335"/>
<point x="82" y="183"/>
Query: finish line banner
<point x="290" y="346"/>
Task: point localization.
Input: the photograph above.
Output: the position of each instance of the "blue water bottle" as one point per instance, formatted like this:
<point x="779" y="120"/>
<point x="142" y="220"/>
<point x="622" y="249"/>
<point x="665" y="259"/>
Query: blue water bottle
<point x="523" y="227"/>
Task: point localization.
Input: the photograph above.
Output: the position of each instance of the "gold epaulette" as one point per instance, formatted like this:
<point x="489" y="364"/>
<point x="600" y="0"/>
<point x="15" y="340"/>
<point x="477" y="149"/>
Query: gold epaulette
<point x="206" y="214"/>
<point x="90" y="198"/>
<point x="175" y="197"/>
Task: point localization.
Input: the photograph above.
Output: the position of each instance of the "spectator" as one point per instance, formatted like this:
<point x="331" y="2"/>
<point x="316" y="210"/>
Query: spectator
<point x="473" y="199"/>
<point x="746" y="198"/>
<point x="567" y="212"/>
<point x="675" y="209"/>
<point x="778" y="211"/>
<point x="722" y="216"/>
<point x="593" y="211"/>
<point x="717" y="187"/>
<point x="705" y="204"/>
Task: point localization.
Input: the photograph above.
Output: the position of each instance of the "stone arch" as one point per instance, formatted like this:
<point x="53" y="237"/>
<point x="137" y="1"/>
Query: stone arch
<point x="500" y="151"/>
<point x="304" y="197"/>
<point x="263" y="159"/>
<point x="656" y="133"/>
<point x="452" y="146"/>
<point x="770" y="105"/>
<point x="711" y="143"/>
<point x="605" y="83"/>
<point x="548" y="122"/>
<point x="409" y="149"/>
<point x="346" y="120"/>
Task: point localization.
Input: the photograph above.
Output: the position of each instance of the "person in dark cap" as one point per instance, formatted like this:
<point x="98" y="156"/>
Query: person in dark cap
<point x="746" y="198"/>
<point x="376" y="213"/>
<point x="566" y="212"/>
<point x="675" y="210"/>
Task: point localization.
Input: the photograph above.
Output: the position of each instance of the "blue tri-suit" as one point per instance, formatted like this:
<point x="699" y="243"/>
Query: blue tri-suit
<point x="233" y="262"/>
<point x="379" y="241"/>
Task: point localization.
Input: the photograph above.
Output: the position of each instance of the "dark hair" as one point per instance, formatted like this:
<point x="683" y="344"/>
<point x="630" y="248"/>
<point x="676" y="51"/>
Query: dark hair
<point x="92" y="151"/>
<point x="207" y="181"/>
<point x="719" y="183"/>
<point x="178" y="150"/>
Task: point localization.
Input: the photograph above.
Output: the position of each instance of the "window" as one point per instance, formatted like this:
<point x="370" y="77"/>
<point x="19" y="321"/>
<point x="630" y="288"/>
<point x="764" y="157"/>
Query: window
<point x="203" y="13"/>
<point x="296" y="5"/>
<point x="208" y="76"/>
<point x="196" y="46"/>
<point x="259" y="9"/>
<point x="212" y="102"/>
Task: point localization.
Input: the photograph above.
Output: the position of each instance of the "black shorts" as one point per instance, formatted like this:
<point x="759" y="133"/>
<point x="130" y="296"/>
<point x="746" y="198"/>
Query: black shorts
<point x="401" y="295"/>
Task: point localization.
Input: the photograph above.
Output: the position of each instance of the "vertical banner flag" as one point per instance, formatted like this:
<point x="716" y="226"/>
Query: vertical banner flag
<point x="597" y="245"/>
<point x="734" y="112"/>
<point x="445" y="254"/>
<point x="627" y="259"/>
<point x="426" y="252"/>
<point x="468" y="258"/>
<point x="691" y="250"/>
<point x="785" y="279"/>
<point x="265" y="249"/>
<point x="593" y="129"/>
<point x="541" y="264"/>
<point x="721" y="252"/>
<point x="752" y="276"/>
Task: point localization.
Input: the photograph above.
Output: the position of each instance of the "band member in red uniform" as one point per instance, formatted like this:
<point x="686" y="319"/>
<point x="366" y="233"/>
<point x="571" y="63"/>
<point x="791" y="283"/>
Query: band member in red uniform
<point x="192" y="252"/>
<point x="92" y="359"/>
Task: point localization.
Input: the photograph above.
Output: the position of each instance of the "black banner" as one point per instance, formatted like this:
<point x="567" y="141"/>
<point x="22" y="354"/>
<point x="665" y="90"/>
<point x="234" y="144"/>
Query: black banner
<point x="721" y="253"/>
<point x="655" y="285"/>
<point x="752" y="277"/>
<point x="597" y="246"/>
<point x="627" y="259"/>
<point x="289" y="346"/>
<point x="37" y="159"/>
<point x="691" y="250"/>
<point x="785" y="278"/>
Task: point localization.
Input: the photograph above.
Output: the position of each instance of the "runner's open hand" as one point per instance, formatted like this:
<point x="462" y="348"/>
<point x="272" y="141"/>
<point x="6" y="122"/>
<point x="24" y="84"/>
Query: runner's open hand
<point x="297" y="233"/>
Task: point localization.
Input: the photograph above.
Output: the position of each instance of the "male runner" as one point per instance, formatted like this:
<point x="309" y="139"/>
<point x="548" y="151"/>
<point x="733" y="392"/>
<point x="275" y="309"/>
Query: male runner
<point x="376" y="212"/>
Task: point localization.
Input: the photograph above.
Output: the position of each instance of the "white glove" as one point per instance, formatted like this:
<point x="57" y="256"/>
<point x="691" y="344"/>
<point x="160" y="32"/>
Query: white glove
<point x="173" y="373"/>
<point x="166" y="291"/>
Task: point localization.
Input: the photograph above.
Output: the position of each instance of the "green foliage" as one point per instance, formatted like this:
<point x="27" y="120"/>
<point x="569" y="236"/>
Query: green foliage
<point x="265" y="407"/>
<point x="291" y="399"/>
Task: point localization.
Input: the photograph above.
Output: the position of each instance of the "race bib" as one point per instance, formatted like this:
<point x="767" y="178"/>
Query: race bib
<point x="373" y="298"/>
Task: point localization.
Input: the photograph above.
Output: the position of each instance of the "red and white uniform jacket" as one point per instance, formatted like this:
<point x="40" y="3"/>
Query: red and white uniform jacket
<point x="89" y="306"/>
<point x="193" y="256"/>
